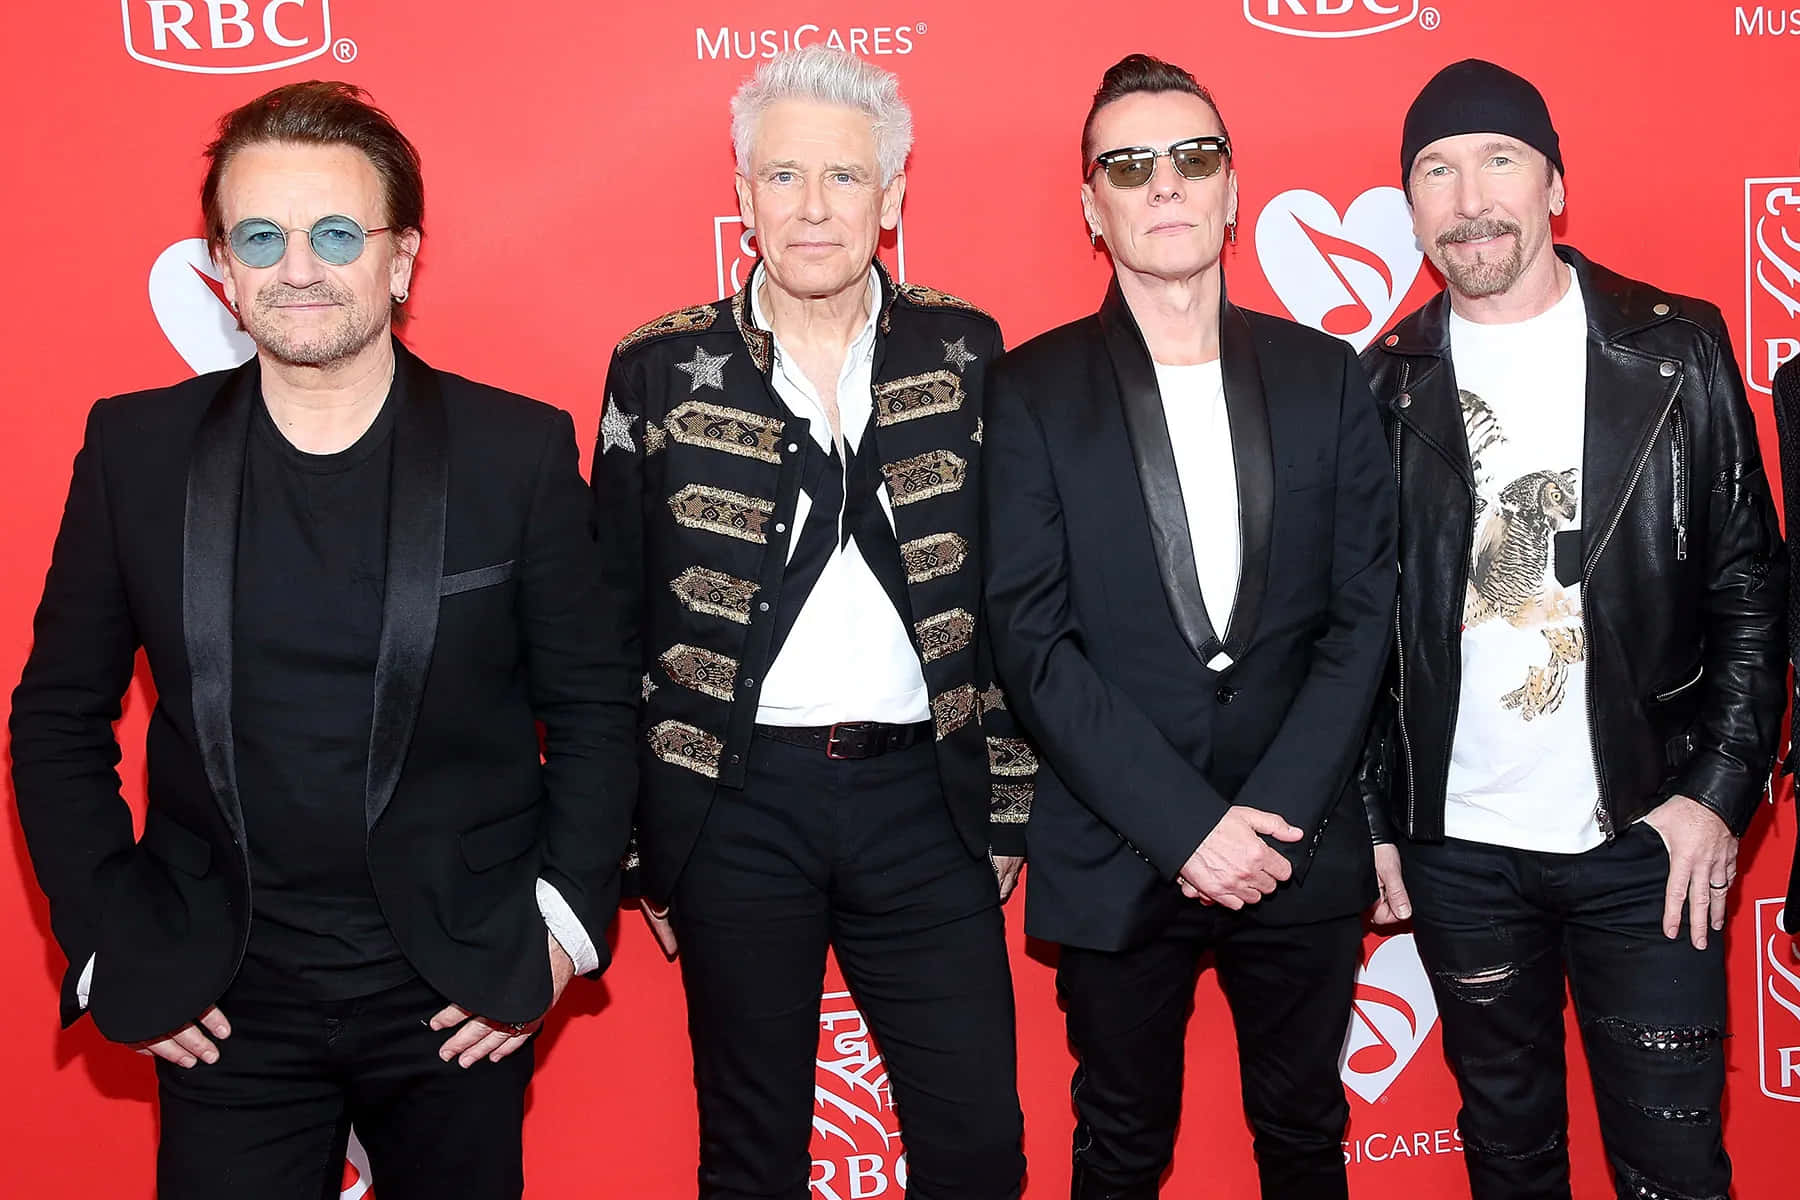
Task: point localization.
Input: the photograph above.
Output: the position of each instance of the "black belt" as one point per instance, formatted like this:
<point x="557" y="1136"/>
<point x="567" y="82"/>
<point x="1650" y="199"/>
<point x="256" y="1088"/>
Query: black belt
<point x="850" y="739"/>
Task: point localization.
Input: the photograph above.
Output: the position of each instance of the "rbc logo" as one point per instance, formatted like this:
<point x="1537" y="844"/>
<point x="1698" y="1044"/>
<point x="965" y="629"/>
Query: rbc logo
<point x="226" y="37"/>
<point x="856" y="1148"/>
<point x="1333" y="18"/>
<point x="1772" y="283"/>
<point x="1777" y="1005"/>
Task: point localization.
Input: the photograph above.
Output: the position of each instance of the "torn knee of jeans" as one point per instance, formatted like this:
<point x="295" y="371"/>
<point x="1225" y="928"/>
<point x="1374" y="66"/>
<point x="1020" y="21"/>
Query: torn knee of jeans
<point x="1639" y="1185"/>
<point x="1687" y="1041"/>
<point x="1550" y="1145"/>
<point x="1675" y="1113"/>
<point x="1480" y="987"/>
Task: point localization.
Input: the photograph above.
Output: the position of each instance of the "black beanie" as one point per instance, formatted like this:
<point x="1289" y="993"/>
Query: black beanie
<point x="1473" y="96"/>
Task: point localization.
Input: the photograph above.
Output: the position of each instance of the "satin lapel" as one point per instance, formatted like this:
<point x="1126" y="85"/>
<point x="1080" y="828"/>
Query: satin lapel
<point x="1627" y="396"/>
<point x="1253" y="461"/>
<point x="1148" y="430"/>
<point x="215" y="492"/>
<point x="417" y="497"/>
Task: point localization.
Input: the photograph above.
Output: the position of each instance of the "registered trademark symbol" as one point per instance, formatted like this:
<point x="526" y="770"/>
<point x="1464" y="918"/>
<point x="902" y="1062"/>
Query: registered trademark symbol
<point x="921" y="28"/>
<point x="1430" y="19"/>
<point x="344" y="50"/>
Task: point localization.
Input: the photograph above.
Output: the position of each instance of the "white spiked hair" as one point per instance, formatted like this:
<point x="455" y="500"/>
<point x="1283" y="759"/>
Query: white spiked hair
<point x="827" y="76"/>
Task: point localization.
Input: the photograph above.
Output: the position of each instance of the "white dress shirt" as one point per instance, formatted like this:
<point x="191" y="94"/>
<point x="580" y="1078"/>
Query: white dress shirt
<point x="848" y="656"/>
<point x="1193" y="400"/>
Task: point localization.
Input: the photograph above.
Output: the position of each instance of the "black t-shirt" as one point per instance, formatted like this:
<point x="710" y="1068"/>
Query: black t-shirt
<point x="311" y="565"/>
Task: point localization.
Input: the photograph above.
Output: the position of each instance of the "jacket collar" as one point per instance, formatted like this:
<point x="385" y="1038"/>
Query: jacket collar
<point x="415" y="558"/>
<point x="1246" y="406"/>
<point x="761" y="343"/>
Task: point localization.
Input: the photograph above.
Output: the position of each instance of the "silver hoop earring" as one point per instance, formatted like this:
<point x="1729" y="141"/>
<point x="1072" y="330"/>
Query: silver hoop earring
<point x="401" y="298"/>
<point x="1231" y="231"/>
<point x="1093" y="237"/>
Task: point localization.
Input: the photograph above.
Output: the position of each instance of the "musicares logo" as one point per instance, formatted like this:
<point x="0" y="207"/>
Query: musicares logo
<point x="1771" y="277"/>
<point x="226" y="37"/>
<point x="189" y="302"/>
<point x="856" y="1146"/>
<point x="734" y="253"/>
<point x="357" y="1184"/>
<point x="1777" y="1005"/>
<point x="1345" y="275"/>
<point x="1336" y="18"/>
<point x="1390" y="1017"/>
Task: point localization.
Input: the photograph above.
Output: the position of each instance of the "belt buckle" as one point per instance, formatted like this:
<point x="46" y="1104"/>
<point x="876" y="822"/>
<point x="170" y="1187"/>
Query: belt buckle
<point x="831" y="739"/>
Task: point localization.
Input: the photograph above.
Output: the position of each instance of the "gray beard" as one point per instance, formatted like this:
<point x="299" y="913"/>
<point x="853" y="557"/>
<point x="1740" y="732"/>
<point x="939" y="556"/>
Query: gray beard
<point x="1485" y="276"/>
<point x="345" y="338"/>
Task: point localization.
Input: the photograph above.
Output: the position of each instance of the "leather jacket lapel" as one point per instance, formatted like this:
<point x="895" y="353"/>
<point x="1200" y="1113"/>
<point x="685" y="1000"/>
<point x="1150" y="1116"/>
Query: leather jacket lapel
<point x="215" y="491"/>
<point x="415" y="565"/>
<point x="1148" y="430"/>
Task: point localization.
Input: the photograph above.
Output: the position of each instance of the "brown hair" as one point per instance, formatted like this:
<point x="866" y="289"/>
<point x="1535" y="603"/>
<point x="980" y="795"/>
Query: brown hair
<point x="1141" y="73"/>
<point x="320" y="113"/>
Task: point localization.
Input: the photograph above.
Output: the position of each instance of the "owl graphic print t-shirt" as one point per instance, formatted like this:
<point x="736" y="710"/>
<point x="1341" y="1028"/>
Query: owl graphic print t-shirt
<point x="1522" y="764"/>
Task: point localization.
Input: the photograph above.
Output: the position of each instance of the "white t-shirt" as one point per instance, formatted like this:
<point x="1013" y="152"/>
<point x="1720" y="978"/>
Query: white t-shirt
<point x="1522" y="764"/>
<point x="1200" y="433"/>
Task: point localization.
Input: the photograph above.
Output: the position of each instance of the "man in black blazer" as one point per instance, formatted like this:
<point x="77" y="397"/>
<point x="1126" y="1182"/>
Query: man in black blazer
<point x="1787" y="424"/>
<point x="1190" y="570"/>
<point x="360" y="585"/>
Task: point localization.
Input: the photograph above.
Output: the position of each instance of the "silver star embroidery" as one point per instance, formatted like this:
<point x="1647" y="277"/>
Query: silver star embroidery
<point x="957" y="354"/>
<point x="649" y="686"/>
<point x="706" y="370"/>
<point x="615" y="429"/>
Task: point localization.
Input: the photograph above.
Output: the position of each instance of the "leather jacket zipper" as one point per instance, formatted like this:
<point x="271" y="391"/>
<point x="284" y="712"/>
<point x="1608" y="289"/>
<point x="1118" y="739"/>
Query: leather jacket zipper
<point x="1678" y="460"/>
<point x="1399" y="646"/>
<point x="1587" y="638"/>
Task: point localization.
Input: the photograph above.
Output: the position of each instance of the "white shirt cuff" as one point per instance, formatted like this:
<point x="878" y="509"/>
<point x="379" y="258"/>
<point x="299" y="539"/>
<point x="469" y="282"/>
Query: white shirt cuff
<point x="565" y="927"/>
<point x="86" y="982"/>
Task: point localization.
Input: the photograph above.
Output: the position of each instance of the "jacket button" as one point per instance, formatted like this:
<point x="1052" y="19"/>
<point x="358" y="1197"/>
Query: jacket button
<point x="1661" y="310"/>
<point x="748" y="682"/>
<point x="793" y="447"/>
<point x="1403" y="400"/>
<point x="1225" y="695"/>
<point x="1393" y="339"/>
<point x="780" y="527"/>
<point x="733" y="760"/>
<point x="762" y="606"/>
<point x="1668" y="370"/>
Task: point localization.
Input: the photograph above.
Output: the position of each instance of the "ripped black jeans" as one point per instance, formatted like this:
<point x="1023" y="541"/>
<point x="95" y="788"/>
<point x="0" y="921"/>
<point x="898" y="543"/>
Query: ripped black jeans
<point x="1497" y="929"/>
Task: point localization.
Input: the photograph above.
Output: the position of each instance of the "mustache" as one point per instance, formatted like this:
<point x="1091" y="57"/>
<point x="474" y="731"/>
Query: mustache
<point x="323" y="292"/>
<point x="1471" y="231"/>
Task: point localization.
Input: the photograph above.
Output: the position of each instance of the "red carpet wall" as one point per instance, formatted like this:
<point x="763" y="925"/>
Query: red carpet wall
<point x="579" y="182"/>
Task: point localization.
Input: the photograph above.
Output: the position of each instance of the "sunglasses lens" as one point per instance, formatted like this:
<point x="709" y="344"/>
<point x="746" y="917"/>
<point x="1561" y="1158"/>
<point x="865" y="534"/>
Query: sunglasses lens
<point x="1196" y="161"/>
<point x="258" y="242"/>
<point x="337" y="240"/>
<point x="1131" y="172"/>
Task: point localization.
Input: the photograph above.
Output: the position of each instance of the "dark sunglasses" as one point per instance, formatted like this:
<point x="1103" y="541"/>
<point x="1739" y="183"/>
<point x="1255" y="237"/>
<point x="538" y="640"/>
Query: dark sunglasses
<point x="1133" y="166"/>
<point x="337" y="239"/>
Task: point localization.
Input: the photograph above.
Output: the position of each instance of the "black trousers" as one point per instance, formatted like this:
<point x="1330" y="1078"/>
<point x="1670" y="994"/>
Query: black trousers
<point x="861" y="856"/>
<point x="1498" y="929"/>
<point x="1289" y="989"/>
<point x="271" y="1118"/>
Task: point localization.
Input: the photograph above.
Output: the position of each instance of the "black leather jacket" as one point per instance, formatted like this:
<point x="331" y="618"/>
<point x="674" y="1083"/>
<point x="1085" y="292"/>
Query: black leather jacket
<point x="1684" y="580"/>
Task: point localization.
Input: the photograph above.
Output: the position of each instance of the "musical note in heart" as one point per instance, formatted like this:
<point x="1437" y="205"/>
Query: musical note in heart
<point x="1345" y="275"/>
<point x="1391" y="1016"/>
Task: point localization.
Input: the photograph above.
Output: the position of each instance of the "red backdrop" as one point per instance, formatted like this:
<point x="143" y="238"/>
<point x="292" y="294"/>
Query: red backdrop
<point x="579" y="179"/>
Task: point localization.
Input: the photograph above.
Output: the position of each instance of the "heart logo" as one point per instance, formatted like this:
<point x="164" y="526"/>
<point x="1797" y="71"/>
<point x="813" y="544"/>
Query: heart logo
<point x="356" y="1184"/>
<point x="1345" y="275"/>
<point x="1392" y="1013"/>
<point x="189" y="302"/>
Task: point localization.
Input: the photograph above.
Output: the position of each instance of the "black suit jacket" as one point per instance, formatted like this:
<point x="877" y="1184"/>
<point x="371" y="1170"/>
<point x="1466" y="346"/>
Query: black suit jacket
<point x="1101" y="636"/>
<point x="1787" y="424"/>
<point x="492" y="622"/>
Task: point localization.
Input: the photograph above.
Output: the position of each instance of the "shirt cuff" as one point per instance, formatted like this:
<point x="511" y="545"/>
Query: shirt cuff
<point x="85" y="983"/>
<point x="564" y="925"/>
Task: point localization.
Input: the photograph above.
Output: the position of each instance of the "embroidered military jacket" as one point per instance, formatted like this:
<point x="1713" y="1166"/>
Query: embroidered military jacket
<point x="696" y="476"/>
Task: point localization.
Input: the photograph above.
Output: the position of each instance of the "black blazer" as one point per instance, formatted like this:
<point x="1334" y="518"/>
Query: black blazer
<point x="1101" y="636"/>
<point x="491" y="623"/>
<point x="1787" y="424"/>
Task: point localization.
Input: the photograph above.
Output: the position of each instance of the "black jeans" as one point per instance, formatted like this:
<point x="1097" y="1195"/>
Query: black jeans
<point x="859" y="855"/>
<point x="1497" y="929"/>
<point x="271" y="1118"/>
<point x="1289" y="988"/>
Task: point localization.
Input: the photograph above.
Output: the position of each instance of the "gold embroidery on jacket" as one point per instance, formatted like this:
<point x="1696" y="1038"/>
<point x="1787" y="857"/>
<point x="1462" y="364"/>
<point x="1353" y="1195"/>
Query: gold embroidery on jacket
<point x="944" y="633"/>
<point x="993" y="699"/>
<point x="933" y="555"/>
<point x="718" y="427"/>
<point x="1011" y="804"/>
<point x="951" y="710"/>
<point x="703" y="590"/>
<point x="930" y="297"/>
<point x="716" y="510"/>
<point x="924" y="476"/>
<point x="703" y="671"/>
<point x="917" y="396"/>
<point x="684" y="745"/>
<point x="683" y="320"/>
<point x="1011" y="756"/>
